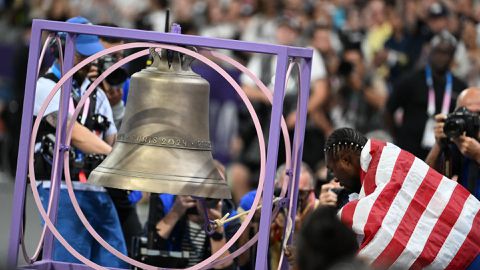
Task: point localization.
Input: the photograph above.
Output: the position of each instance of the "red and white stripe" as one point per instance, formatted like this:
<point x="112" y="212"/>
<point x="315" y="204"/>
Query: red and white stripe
<point x="410" y="216"/>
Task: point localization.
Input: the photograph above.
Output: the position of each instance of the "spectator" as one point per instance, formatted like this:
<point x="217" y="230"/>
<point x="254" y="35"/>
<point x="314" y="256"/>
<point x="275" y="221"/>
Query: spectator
<point x="360" y="101"/>
<point x="437" y="20"/>
<point x="261" y="25"/>
<point x="379" y="29"/>
<point x="324" y="241"/>
<point x="467" y="59"/>
<point x="178" y="224"/>
<point x="465" y="149"/>
<point x="401" y="50"/>
<point x="263" y="67"/>
<point x="305" y="205"/>
<point x="415" y="131"/>
<point x="353" y="32"/>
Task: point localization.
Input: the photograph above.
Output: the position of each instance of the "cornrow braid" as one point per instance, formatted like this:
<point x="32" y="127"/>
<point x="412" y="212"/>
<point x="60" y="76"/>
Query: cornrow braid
<point x="344" y="139"/>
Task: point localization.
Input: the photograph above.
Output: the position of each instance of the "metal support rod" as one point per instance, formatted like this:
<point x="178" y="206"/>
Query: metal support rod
<point x="169" y="38"/>
<point x="297" y="149"/>
<point x="21" y="173"/>
<point x="60" y="136"/>
<point x="272" y="152"/>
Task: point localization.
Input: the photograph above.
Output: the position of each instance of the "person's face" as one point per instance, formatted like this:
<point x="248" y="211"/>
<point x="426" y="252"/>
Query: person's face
<point x="437" y="24"/>
<point x="346" y="168"/>
<point x="354" y="57"/>
<point x="471" y="101"/>
<point x="82" y="73"/>
<point x="397" y="21"/>
<point x="305" y="183"/>
<point x="107" y="45"/>
<point x="286" y="35"/>
<point x="377" y="12"/>
<point x="321" y="40"/>
<point x="356" y="77"/>
<point x="305" y="187"/>
<point x="441" y="57"/>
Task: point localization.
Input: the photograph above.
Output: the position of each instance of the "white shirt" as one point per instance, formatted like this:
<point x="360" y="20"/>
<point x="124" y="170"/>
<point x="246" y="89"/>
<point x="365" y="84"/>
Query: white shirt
<point x="318" y="71"/>
<point x="44" y="86"/>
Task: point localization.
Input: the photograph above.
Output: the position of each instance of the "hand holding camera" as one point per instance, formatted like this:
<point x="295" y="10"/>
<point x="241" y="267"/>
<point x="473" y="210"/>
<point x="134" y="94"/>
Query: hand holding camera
<point x="114" y="93"/>
<point x="118" y="76"/>
<point x="458" y="123"/>
<point x="469" y="147"/>
<point x="182" y="203"/>
<point x="462" y="128"/>
<point x="113" y="82"/>
<point x="462" y="122"/>
<point x="327" y="195"/>
<point x="438" y="129"/>
<point x="215" y="210"/>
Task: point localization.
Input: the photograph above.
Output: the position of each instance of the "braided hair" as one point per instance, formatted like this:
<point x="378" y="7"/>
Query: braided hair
<point x="344" y="139"/>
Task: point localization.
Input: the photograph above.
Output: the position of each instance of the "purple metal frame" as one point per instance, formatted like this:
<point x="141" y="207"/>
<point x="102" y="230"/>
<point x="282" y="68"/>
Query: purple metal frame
<point x="283" y="53"/>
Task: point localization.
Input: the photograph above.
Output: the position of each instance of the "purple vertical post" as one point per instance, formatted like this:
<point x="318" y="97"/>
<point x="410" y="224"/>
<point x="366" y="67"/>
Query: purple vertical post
<point x="58" y="151"/>
<point x="272" y="153"/>
<point x="22" y="166"/>
<point x="297" y="149"/>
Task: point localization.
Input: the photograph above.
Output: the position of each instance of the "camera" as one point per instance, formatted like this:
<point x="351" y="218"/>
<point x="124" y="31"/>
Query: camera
<point x="462" y="121"/>
<point x="100" y="122"/>
<point x="91" y="161"/>
<point x="47" y="146"/>
<point x="117" y="77"/>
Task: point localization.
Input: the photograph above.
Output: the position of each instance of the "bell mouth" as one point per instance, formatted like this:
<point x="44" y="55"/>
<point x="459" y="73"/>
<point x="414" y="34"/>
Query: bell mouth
<point x="161" y="170"/>
<point x="178" y="185"/>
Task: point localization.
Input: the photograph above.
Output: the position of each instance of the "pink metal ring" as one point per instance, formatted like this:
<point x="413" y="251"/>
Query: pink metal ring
<point x="34" y="258"/>
<point x="68" y="180"/>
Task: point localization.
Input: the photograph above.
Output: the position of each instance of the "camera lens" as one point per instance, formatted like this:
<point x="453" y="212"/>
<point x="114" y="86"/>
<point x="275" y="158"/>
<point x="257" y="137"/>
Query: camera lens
<point x="117" y="77"/>
<point x="454" y="127"/>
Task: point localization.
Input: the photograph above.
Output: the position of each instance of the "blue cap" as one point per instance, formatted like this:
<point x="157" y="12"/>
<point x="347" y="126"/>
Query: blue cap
<point x="86" y="45"/>
<point x="246" y="202"/>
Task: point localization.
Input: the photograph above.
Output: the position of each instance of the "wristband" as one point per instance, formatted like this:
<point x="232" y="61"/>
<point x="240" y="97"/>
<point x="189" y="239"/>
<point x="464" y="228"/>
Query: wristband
<point x="216" y="236"/>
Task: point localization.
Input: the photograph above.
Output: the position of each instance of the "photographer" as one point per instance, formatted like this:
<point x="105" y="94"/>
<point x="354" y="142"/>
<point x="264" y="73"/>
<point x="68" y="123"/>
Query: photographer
<point x="423" y="94"/>
<point x="176" y="231"/>
<point x="92" y="135"/>
<point x="464" y="148"/>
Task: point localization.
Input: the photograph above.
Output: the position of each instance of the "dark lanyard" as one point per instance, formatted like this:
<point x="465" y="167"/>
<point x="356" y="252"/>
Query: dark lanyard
<point x="75" y="91"/>
<point x="447" y="96"/>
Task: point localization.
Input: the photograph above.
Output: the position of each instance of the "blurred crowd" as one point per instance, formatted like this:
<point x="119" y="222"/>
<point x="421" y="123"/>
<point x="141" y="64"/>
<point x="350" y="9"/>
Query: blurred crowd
<point x="366" y="55"/>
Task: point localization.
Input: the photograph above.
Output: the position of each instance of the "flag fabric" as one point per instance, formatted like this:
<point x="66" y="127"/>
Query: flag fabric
<point x="409" y="216"/>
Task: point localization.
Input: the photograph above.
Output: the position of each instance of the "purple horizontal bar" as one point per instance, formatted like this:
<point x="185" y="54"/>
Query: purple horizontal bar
<point x="172" y="38"/>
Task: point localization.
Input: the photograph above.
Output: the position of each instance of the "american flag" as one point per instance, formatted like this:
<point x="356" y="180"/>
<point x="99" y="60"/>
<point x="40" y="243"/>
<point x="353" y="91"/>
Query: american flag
<point x="409" y="216"/>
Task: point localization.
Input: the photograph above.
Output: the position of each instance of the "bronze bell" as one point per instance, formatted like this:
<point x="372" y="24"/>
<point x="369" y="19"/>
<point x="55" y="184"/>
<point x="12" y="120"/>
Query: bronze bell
<point x="163" y="145"/>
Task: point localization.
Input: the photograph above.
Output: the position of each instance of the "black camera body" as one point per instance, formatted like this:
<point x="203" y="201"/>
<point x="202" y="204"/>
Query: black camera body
<point x="118" y="76"/>
<point x="100" y="122"/>
<point x="462" y="121"/>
